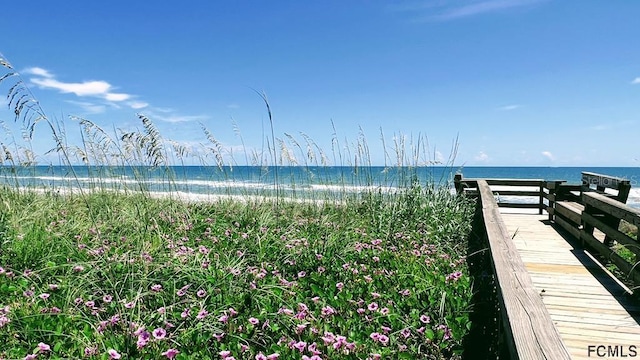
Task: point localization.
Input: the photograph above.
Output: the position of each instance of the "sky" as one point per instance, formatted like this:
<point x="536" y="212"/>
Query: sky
<point x="509" y="82"/>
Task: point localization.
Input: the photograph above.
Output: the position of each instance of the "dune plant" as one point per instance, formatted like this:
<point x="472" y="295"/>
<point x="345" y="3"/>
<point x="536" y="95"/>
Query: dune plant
<point x="114" y="272"/>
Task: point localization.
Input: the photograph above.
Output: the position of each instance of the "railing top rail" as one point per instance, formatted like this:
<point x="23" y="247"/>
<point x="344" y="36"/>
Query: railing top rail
<point x="509" y="182"/>
<point x="531" y="331"/>
<point x="590" y="178"/>
<point x="612" y="207"/>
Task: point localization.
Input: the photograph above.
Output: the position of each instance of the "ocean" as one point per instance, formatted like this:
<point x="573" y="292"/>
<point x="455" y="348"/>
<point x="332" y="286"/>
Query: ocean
<point x="292" y="181"/>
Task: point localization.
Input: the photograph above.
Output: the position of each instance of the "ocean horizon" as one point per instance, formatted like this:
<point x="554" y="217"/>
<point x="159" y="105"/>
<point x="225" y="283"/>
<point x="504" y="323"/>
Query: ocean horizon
<point x="292" y="181"/>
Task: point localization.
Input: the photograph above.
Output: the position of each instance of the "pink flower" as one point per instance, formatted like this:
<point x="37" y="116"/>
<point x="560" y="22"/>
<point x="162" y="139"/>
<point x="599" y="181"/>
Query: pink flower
<point x="107" y="298"/>
<point x="171" y="353"/>
<point x="340" y="286"/>
<point x="185" y="313"/>
<point x="273" y="356"/>
<point x="79" y="268"/>
<point x="201" y="293"/>
<point x="43" y="296"/>
<point x="223" y="319"/>
<point x="328" y="338"/>
<point x="31" y="357"/>
<point x="90" y="350"/>
<point x="261" y="356"/>
<point x="425" y="319"/>
<point x="454" y="276"/>
<point x="254" y="321"/>
<point x="202" y="314"/>
<point x="373" y="306"/>
<point x="113" y="354"/>
<point x="43" y="347"/>
<point x="384" y="311"/>
<point x="224" y="353"/>
<point x="233" y="312"/>
<point x="156" y="287"/>
<point x="328" y="310"/>
<point x="183" y="290"/>
<point x="300" y="345"/>
<point x="159" y="333"/>
<point x="302" y="274"/>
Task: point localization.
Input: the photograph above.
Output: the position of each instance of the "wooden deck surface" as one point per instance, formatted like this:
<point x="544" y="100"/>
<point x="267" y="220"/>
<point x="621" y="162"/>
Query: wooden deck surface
<point x="589" y="307"/>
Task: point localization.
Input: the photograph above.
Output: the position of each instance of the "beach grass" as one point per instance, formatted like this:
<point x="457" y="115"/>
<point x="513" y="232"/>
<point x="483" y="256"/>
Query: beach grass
<point x="109" y="270"/>
<point x="109" y="275"/>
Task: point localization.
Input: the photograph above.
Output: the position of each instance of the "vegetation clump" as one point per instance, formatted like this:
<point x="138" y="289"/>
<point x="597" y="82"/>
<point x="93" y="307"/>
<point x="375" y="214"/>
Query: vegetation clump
<point x="116" y="276"/>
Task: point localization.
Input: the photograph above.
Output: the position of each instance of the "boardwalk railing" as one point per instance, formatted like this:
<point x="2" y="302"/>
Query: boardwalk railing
<point x="604" y="213"/>
<point x="529" y="330"/>
<point x="518" y="188"/>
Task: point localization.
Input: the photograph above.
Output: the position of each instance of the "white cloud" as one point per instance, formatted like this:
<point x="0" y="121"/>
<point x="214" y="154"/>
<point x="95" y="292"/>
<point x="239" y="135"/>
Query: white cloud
<point x="482" y="156"/>
<point x="444" y="10"/>
<point x="94" y="88"/>
<point x="88" y="88"/>
<point x="636" y="81"/>
<point x="509" y="107"/>
<point x="600" y="127"/>
<point x="233" y="106"/>
<point x="89" y="108"/>
<point x="138" y="104"/>
<point x="38" y="71"/>
<point x="548" y="155"/>
<point x="438" y="156"/>
<point x="483" y="7"/>
<point x="172" y="117"/>
<point x="117" y="97"/>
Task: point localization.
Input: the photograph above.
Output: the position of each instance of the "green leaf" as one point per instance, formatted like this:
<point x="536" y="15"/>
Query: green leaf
<point x="429" y="334"/>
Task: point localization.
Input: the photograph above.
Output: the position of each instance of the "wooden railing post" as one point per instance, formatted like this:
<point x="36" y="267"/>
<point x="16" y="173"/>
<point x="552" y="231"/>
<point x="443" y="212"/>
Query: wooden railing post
<point x="541" y="198"/>
<point x="457" y="181"/>
<point x="553" y="186"/>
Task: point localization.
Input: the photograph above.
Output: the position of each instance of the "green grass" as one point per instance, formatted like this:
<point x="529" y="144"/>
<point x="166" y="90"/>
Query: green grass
<point x="110" y="272"/>
<point x="308" y="273"/>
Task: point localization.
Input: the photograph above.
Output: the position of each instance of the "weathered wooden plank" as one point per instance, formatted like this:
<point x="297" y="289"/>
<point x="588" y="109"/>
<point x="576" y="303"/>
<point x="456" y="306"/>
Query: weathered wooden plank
<point x="629" y="269"/>
<point x="531" y="332"/>
<point x="509" y="182"/>
<point x="601" y="180"/>
<point x="571" y="210"/>
<point x="570" y="228"/>
<point x="615" y="234"/>
<point x="518" y="205"/>
<point x="613" y="207"/>
<point x="576" y="300"/>
<point x="516" y="193"/>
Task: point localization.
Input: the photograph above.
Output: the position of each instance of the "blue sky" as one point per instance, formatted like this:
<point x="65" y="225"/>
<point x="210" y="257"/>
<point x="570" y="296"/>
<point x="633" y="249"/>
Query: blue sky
<point x="517" y="82"/>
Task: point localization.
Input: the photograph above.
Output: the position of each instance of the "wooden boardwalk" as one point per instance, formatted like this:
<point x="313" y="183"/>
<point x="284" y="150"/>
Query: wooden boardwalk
<point x="591" y="309"/>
